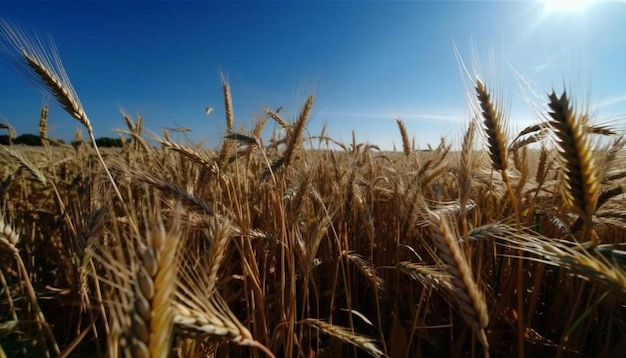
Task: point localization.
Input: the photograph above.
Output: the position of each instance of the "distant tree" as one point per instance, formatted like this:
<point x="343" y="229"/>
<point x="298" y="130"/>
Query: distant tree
<point x="28" y="139"/>
<point x="35" y="140"/>
<point x="106" y="142"/>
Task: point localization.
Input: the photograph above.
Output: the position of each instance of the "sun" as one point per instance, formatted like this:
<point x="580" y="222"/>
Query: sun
<point x="567" y="5"/>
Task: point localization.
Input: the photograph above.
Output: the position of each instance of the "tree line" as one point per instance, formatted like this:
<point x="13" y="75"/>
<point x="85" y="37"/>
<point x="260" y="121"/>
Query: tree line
<point x="35" y="140"/>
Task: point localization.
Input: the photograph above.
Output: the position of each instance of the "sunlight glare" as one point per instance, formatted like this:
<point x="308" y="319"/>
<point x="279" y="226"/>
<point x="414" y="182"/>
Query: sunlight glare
<point x="567" y="5"/>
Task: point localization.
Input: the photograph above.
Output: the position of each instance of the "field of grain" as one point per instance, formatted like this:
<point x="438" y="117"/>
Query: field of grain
<point x="307" y="247"/>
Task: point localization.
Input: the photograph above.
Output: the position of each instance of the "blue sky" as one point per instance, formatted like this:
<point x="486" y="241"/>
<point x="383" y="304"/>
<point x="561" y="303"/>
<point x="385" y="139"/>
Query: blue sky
<point x="367" y="62"/>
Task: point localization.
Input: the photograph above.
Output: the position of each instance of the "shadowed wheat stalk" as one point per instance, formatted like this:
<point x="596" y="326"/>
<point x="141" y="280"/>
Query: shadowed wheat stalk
<point x="9" y="239"/>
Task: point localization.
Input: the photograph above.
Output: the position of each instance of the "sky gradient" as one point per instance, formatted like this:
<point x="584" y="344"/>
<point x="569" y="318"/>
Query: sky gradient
<point x="367" y="62"/>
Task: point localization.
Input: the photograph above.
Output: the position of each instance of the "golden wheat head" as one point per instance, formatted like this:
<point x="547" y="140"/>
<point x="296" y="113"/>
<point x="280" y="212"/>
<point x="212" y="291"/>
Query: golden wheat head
<point x="581" y="179"/>
<point x="44" y="60"/>
<point x="494" y="127"/>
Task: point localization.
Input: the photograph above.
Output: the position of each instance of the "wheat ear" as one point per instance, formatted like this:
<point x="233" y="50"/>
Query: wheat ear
<point x="429" y="276"/>
<point x="8" y="237"/>
<point x="472" y="305"/>
<point x="23" y="161"/>
<point x="406" y="143"/>
<point x="464" y="174"/>
<point x="581" y="184"/>
<point x="195" y="156"/>
<point x="276" y="117"/>
<point x="10" y="129"/>
<point x="592" y="265"/>
<point x="365" y="343"/>
<point x="230" y="121"/>
<point x="296" y="133"/>
<point x="51" y="76"/>
<point x="493" y="118"/>
<point x="142" y="272"/>
<point x="159" y="259"/>
<point x="43" y="125"/>
<point x="495" y="123"/>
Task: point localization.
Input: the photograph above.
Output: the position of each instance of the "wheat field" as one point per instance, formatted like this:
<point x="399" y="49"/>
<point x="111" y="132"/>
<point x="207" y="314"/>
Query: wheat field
<point x="304" y="246"/>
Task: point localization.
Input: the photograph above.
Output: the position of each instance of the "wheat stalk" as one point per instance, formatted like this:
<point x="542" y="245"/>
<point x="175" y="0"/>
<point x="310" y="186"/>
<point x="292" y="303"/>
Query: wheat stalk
<point x="9" y="239"/>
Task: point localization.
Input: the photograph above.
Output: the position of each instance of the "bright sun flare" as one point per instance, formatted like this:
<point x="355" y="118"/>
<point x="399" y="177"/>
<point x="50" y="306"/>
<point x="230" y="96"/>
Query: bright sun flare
<point x="567" y="5"/>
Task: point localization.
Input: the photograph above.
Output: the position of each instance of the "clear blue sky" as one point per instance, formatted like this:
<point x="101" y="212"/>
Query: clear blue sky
<point x="368" y="62"/>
